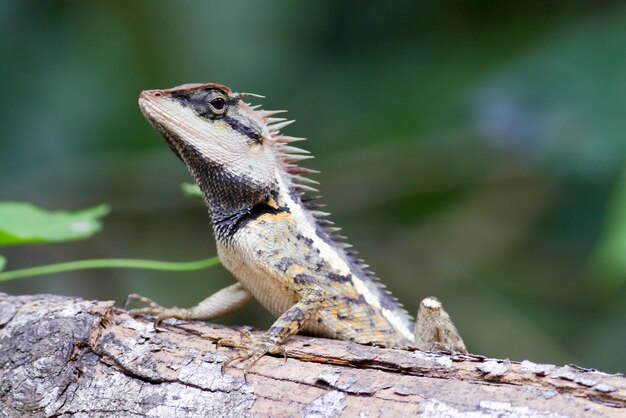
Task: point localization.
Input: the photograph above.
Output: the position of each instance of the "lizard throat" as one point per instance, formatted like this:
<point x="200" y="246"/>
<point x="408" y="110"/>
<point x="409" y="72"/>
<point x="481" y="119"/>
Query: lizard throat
<point x="233" y="201"/>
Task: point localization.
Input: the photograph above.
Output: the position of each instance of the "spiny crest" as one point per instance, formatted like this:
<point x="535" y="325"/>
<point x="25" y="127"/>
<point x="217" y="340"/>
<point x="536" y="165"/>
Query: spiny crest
<point x="290" y="156"/>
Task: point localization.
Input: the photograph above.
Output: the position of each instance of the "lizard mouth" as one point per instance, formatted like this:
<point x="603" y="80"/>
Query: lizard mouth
<point x="147" y="102"/>
<point x="149" y="108"/>
<point x="153" y="106"/>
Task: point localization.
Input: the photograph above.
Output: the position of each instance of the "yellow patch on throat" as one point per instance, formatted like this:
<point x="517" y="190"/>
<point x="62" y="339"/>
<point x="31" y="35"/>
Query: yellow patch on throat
<point x="275" y="218"/>
<point x="271" y="202"/>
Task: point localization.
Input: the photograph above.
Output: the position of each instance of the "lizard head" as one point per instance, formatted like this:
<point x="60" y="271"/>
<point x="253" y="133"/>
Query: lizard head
<point x="234" y="152"/>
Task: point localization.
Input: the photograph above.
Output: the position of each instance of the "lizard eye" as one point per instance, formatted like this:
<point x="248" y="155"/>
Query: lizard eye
<point x="218" y="105"/>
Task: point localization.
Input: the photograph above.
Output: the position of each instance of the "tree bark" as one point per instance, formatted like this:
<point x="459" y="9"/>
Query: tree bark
<point x="62" y="356"/>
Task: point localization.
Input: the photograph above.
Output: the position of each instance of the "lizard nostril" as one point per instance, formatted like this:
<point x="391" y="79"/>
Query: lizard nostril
<point x="157" y="94"/>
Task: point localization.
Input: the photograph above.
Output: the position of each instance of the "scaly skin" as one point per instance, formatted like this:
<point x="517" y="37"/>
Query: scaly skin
<point x="271" y="236"/>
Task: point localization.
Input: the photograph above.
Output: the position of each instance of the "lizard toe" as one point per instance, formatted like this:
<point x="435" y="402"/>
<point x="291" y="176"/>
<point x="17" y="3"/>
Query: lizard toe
<point x="252" y="351"/>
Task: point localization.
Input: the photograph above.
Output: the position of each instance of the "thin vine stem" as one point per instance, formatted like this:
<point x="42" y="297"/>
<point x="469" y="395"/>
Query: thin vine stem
<point x="109" y="263"/>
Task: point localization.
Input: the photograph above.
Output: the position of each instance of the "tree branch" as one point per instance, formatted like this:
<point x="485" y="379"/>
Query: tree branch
<point x="62" y="356"/>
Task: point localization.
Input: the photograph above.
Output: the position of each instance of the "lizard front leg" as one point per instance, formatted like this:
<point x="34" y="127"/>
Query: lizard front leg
<point x="288" y="324"/>
<point x="434" y="329"/>
<point x="218" y="304"/>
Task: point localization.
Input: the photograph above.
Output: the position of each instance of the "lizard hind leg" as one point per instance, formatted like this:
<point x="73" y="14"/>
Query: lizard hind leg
<point x="434" y="330"/>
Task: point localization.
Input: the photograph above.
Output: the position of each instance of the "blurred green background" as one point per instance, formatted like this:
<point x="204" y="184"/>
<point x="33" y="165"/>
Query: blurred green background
<point x="472" y="150"/>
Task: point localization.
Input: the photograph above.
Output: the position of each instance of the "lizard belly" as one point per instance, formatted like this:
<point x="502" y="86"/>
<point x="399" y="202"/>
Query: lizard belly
<point x="275" y="296"/>
<point x="273" y="293"/>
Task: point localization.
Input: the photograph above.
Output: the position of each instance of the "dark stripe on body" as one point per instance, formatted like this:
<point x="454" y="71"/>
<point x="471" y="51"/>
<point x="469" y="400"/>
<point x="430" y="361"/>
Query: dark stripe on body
<point x="339" y="278"/>
<point x="303" y="278"/>
<point x="284" y="264"/>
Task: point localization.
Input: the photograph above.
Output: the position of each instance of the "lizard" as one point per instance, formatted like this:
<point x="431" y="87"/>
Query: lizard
<point x="271" y="234"/>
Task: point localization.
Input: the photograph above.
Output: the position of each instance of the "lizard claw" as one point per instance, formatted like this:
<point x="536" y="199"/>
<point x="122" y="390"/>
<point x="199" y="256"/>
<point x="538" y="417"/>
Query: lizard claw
<point x="244" y="334"/>
<point x="134" y="297"/>
<point x="224" y="342"/>
<point x="153" y="308"/>
<point x="252" y="351"/>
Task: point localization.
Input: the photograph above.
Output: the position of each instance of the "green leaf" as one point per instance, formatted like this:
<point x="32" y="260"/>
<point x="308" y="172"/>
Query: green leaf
<point x="3" y="262"/>
<point x="23" y="223"/>
<point x="191" y="190"/>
